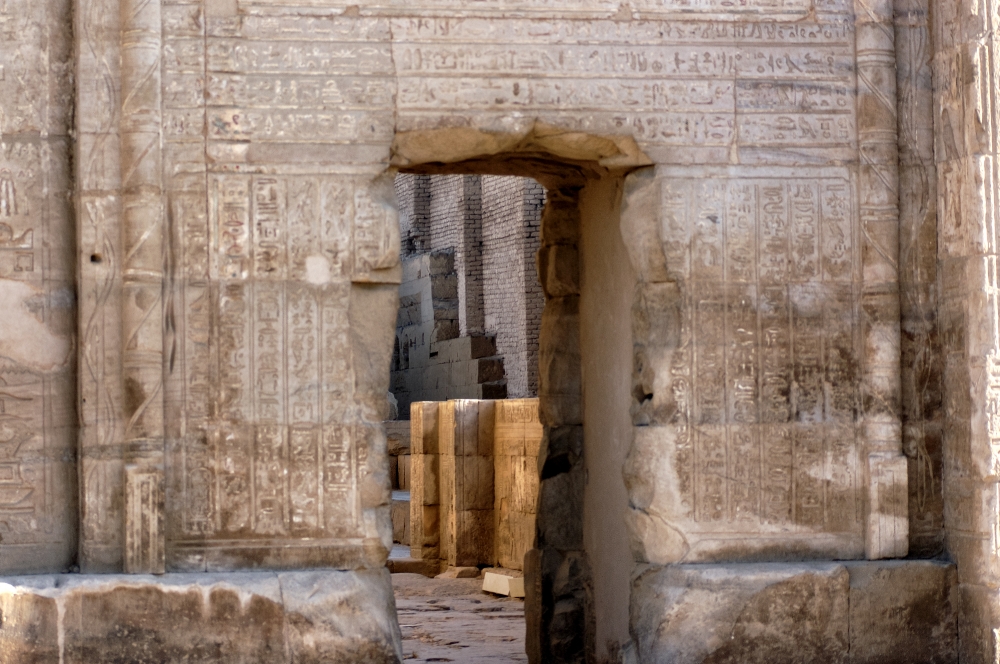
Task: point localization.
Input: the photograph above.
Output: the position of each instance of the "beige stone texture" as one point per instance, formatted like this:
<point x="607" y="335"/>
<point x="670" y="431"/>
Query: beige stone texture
<point x="401" y="517"/>
<point x="38" y="365"/>
<point x="517" y="437"/>
<point x="465" y="429"/>
<point x="425" y="492"/>
<point x="194" y="377"/>
<point x="856" y="612"/>
<point x="486" y="478"/>
<point x="321" y="616"/>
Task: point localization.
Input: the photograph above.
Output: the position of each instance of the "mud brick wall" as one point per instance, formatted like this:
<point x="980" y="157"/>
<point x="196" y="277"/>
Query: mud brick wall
<point x="512" y="212"/>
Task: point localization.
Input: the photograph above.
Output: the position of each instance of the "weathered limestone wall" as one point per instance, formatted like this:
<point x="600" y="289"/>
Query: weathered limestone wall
<point x="237" y="244"/>
<point x="966" y="122"/>
<point x="517" y="435"/>
<point x="922" y="364"/>
<point x="38" y="406"/>
<point x="245" y="618"/>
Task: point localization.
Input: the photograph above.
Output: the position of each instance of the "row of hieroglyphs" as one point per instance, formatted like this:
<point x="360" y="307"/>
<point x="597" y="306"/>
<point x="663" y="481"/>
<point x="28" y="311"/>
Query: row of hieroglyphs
<point x="603" y="8"/>
<point x="322" y="78"/>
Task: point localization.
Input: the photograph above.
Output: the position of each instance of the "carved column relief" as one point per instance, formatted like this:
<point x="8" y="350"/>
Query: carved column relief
<point x="142" y="276"/>
<point x="98" y="155"/>
<point x="273" y="386"/>
<point x="887" y="533"/>
<point x="921" y="353"/>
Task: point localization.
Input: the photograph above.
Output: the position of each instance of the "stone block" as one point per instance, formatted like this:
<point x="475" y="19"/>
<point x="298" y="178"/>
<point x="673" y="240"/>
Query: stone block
<point x="865" y="612"/>
<point x="978" y="618"/>
<point x="444" y="287"/>
<point x="397" y="435"/>
<point x="502" y="582"/>
<point x="403" y="471"/>
<point x="249" y="617"/>
<point x="394" y="472"/>
<point x="493" y="390"/>
<point x="490" y="370"/>
<point x="465" y="348"/>
<point x="742" y="614"/>
<point x="903" y="612"/>
<point x="441" y="262"/>
<point x="401" y="517"/>
<point x="559" y="270"/>
<point x="517" y="439"/>
<point x="412" y="565"/>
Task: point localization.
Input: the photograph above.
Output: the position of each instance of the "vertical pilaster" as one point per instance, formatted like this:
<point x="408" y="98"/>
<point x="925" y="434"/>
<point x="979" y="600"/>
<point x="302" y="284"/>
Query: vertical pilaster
<point x="966" y="80"/>
<point x="922" y="360"/>
<point x="425" y="503"/>
<point x="887" y="534"/>
<point x="142" y="274"/>
<point x="98" y="181"/>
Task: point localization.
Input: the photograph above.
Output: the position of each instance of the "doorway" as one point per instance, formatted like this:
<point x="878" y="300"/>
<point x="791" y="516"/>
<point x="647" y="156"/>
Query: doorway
<point x="559" y="605"/>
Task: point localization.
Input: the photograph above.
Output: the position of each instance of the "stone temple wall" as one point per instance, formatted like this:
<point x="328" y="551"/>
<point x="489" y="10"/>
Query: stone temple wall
<point x="38" y="405"/>
<point x="798" y="391"/>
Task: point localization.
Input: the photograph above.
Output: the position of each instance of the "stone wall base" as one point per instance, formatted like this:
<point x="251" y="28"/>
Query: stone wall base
<point x="839" y="612"/>
<point x="253" y="617"/>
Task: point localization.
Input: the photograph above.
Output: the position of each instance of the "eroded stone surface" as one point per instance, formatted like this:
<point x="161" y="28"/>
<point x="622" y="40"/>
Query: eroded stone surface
<point x="236" y="263"/>
<point x="38" y="528"/>
<point x="320" y="616"/>
<point x="856" y="612"/>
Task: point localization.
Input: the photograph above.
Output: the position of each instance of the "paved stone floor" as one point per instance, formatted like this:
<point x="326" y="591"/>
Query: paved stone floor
<point x="453" y="620"/>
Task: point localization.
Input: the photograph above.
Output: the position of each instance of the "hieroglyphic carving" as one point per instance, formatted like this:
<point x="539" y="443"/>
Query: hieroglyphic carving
<point x="691" y="81"/>
<point x="26" y="494"/>
<point x="588" y="8"/>
<point x="772" y="271"/>
<point x="144" y="551"/>
<point x="19" y="174"/>
<point x="278" y="461"/>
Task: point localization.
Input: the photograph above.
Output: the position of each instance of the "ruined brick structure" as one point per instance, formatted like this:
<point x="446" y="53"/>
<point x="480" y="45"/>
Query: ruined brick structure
<point x="478" y="236"/>
<point x="768" y="359"/>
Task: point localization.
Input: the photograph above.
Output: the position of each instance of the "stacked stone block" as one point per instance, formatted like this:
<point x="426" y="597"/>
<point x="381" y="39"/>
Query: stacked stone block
<point x="466" y="368"/>
<point x="474" y="487"/>
<point x="465" y="443"/>
<point x="517" y="436"/>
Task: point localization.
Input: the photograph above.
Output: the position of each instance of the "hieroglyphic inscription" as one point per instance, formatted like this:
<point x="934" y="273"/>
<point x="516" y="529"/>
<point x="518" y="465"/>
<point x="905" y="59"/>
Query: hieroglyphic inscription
<point x="595" y="8"/>
<point x="277" y="459"/>
<point x="690" y="81"/>
<point x="766" y="385"/>
<point x="25" y="497"/>
<point x="20" y="166"/>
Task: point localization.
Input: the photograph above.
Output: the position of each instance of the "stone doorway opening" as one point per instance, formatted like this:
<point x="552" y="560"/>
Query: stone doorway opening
<point x="464" y="381"/>
<point x="566" y="602"/>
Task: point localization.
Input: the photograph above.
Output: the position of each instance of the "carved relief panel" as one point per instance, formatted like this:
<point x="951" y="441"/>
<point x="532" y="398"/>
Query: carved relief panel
<point x="272" y="443"/>
<point x="753" y="419"/>
<point x="37" y="377"/>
